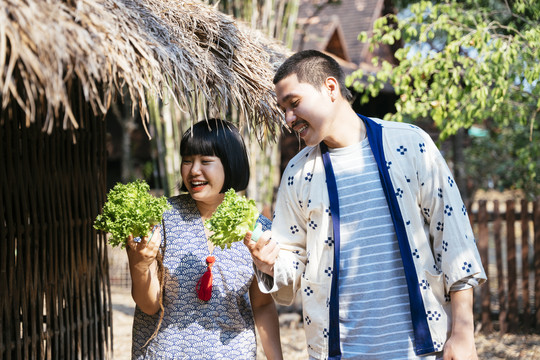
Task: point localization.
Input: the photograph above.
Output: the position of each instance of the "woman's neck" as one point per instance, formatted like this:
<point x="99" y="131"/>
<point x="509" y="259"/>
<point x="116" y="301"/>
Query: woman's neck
<point x="206" y="209"/>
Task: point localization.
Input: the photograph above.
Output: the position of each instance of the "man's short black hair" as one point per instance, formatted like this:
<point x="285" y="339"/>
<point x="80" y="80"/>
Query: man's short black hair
<point x="313" y="67"/>
<point x="216" y="137"/>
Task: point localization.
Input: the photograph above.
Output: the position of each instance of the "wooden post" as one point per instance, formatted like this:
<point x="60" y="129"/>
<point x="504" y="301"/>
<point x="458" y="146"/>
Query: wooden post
<point x="525" y="264"/>
<point x="500" y="274"/>
<point x="536" y="213"/>
<point x="513" y="311"/>
<point x="483" y="240"/>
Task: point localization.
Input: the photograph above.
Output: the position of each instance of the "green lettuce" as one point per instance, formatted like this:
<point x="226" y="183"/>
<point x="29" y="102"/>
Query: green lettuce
<point x="233" y="218"/>
<point x="130" y="209"/>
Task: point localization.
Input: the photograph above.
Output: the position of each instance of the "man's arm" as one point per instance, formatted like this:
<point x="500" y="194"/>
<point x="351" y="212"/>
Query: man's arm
<point x="264" y="252"/>
<point x="461" y="345"/>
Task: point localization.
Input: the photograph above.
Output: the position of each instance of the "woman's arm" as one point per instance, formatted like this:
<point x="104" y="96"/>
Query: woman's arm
<point x="266" y="321"/>
<point x="145" y="288"/>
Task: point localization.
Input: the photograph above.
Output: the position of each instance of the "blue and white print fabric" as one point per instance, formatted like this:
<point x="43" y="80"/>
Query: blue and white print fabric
<point x="223" y="327"/>
<point x="437" y="229"/>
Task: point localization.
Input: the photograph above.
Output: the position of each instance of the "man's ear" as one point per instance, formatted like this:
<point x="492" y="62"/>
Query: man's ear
<point x="332" y="86"/>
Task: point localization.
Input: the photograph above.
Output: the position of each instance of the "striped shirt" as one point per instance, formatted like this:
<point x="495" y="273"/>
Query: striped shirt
<point x="375" y="320"/>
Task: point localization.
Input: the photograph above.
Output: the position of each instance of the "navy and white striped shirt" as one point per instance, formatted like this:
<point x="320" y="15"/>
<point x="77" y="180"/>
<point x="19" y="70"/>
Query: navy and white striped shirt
<point x="375" y="320"/>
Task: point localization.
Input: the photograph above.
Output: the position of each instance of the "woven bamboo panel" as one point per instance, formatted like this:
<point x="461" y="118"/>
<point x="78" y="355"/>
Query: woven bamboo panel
<point x="55" y="295"/>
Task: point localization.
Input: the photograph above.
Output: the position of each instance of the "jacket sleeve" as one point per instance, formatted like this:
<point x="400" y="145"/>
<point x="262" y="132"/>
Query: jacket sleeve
<point x="445" y="214"/>
<point x="289" y="230"/>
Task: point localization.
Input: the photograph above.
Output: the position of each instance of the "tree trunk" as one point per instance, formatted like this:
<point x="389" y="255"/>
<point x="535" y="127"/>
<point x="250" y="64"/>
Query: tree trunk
<point x="458" y="142"/>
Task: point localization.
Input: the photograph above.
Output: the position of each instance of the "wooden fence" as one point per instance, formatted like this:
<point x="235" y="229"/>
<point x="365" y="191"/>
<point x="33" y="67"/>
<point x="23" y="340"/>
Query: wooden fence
<point x="508" y="238"/>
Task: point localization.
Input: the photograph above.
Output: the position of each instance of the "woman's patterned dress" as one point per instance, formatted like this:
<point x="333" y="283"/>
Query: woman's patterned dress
<point x="223" y="327"/>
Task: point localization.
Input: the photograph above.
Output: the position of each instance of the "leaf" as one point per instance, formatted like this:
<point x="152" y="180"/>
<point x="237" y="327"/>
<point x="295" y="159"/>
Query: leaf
<point x="130" y="209"/>
<point x="233" y="218"/>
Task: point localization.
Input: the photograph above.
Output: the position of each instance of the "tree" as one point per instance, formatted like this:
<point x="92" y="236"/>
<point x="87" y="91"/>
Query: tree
<point x="464" y="64"/>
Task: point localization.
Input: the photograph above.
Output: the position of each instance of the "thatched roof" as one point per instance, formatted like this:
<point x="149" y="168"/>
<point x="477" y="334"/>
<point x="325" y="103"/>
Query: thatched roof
<point x="144" y="46"/>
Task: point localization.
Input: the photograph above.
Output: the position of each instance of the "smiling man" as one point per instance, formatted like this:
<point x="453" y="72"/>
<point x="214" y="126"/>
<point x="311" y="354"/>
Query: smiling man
<point x="369" y="229"/>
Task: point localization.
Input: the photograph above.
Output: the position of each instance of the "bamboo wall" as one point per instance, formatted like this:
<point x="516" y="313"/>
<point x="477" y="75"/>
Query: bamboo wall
<point x="54" y="287"/>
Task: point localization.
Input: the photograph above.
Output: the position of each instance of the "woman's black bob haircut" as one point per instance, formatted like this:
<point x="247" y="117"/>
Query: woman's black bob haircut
<point x="216" y="137"/>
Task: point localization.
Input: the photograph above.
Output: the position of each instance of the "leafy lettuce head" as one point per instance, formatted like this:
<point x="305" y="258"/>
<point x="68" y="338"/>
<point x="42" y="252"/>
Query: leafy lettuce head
<point x="233" y="218"/>
<point x="130" y="209"/>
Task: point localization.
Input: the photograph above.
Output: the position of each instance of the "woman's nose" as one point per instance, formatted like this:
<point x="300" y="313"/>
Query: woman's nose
<point x="195" y="168"/>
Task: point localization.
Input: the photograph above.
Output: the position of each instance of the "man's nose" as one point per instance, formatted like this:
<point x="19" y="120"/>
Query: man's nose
<point x="289" y="116"/>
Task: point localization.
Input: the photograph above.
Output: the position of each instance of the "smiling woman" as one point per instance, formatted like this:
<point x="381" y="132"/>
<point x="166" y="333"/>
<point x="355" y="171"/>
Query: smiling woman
<point x="208" y="294"/>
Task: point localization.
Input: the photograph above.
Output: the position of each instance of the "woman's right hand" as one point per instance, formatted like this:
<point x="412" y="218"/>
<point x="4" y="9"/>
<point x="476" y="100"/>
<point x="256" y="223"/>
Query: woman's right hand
<point x="143" y="266"/>
<point x="142" y="254"/>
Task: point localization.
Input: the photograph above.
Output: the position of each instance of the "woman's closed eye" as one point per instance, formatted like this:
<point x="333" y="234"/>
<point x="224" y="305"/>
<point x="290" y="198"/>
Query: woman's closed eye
<point x="208" y="159"/>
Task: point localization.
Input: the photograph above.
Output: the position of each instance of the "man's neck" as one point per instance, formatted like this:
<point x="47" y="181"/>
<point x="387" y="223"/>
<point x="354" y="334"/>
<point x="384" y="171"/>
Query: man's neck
<point x="349" y="129"/>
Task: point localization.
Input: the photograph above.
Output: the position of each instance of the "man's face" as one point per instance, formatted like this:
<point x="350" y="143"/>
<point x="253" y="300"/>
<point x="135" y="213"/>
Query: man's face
<point x="307" y="109"/>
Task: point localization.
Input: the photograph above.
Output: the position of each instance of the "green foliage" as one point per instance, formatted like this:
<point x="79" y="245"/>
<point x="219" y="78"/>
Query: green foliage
<point x="464" y="63"/>
<point x="502" y="160"/>
<point x="130" y="209"/>
<point x="233" y="218"/>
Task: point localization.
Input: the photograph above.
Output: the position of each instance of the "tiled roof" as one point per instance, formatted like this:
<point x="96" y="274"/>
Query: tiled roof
<point x="345" y="19"/>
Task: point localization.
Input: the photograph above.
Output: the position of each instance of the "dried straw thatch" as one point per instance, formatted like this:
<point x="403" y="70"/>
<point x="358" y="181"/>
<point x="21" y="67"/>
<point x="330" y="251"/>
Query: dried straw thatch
<point x="142" y="46"/>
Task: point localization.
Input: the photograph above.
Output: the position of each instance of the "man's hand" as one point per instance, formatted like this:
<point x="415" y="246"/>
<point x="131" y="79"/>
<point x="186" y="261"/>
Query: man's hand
<point x="460" y="345"/>
<point x="264" y="252"/>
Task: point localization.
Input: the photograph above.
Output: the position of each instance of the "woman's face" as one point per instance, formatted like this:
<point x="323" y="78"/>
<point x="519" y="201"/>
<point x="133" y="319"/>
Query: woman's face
<point x="203" y="177"/>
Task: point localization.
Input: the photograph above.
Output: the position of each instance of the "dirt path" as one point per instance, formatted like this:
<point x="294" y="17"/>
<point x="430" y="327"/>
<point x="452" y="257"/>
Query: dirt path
<point x="492" y="347"/>
<point x="293" y="339"/>
<point x="123" y="307"/>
